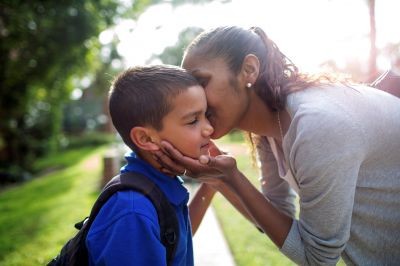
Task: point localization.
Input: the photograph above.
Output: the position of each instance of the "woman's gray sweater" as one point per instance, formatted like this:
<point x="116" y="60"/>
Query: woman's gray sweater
<point x="343" y="148"/>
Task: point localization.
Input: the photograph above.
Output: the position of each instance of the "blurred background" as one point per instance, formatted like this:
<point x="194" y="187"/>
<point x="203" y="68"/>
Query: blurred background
<point x="58" y="59"/>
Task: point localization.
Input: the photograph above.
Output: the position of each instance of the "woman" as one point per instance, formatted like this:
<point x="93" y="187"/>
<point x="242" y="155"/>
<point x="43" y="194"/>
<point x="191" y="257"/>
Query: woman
<point x="336" y="145"/>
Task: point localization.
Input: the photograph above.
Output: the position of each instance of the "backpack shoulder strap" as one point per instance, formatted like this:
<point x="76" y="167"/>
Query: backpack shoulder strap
<point x="169" y="227"/>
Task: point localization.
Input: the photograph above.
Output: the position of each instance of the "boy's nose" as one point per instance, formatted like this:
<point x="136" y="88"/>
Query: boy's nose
<point x="208" y="129"/>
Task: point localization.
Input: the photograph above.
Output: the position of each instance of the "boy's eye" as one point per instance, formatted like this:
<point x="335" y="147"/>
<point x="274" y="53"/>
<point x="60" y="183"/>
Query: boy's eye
<point x="194" y="121"/>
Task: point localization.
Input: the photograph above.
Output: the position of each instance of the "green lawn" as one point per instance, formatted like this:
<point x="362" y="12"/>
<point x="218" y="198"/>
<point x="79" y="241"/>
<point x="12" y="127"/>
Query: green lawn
<point x="38" y="217"/>
<point x="248" y="245"/>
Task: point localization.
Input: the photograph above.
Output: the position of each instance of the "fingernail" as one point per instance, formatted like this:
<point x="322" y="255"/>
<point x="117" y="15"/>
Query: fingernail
<point x="204" y="159"/>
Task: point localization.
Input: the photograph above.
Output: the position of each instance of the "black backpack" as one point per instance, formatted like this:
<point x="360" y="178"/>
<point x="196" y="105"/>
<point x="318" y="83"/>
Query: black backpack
<point x="74" y="252"/>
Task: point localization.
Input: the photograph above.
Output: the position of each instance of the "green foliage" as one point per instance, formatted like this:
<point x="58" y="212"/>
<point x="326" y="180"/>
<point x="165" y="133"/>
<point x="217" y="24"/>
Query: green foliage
<point x="236" y="136"/>
<point x="139" y="7"/>
<point x="38" y="216"/>
<point x="82" y="115"/>
<point x="46" y="48"/>
<point x="248" y="245"/>
<point x="173" y="54"/>
<point x="45" y="45"/>
<point x="89" y="139"/>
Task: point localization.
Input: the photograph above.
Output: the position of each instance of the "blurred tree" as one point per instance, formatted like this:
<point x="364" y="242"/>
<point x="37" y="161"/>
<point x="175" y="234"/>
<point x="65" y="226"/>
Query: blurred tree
<point x="89" y="111"/>
<point x="373" y="54"/>
<point x="46" y="48"/>
<point x="43" y="45"/>
<point x="367" y="73"/>
<point x="173" y="54"/>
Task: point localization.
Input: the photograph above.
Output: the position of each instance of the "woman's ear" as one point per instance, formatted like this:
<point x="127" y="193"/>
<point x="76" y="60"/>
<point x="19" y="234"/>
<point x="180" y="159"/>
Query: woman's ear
<point x="144" y="138"/>
<point x="250" y="68"/>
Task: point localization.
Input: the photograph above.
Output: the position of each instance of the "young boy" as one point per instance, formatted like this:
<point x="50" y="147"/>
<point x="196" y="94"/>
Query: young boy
<point x="147" y="105"/>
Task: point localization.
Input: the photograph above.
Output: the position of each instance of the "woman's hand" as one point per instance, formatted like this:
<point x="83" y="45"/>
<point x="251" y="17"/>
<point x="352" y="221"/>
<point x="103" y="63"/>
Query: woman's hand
<point x="211" y="168"/>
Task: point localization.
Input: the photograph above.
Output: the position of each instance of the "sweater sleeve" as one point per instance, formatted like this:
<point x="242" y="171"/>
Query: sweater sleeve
<point x="325" y="156"/>
<point x="276" y="189"/>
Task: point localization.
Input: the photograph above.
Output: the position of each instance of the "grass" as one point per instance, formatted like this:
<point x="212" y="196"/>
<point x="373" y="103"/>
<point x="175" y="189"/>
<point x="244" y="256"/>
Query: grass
<point x="37" y="217"/>
<point x="247" y="244"/>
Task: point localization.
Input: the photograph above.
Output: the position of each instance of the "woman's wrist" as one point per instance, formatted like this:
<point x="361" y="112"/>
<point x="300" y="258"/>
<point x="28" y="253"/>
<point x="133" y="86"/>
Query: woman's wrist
<point x="207" y="189"/>
<point x="231" y="176"/>
<point x="234" y="179"/>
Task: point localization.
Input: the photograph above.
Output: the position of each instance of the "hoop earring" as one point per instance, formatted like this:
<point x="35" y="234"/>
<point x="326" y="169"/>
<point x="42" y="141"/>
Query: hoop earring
<point x="248" y="85"/>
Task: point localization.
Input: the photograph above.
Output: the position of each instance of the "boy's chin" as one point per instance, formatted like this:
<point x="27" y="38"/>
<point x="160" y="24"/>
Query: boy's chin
<point x="207" y="153"/>
<point x="197" y="155"/>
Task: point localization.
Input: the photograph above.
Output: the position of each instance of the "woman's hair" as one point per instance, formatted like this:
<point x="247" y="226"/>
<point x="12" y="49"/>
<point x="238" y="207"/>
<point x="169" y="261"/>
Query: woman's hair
<point x="278" y="76"/>
<point x="141" y="96"/>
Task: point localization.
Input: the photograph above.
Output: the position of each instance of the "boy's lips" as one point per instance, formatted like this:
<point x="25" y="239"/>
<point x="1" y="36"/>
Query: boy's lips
<point x="207" y="145"/>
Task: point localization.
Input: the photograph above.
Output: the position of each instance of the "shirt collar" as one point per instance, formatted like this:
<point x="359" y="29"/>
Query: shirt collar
<point x="172" y="187"/>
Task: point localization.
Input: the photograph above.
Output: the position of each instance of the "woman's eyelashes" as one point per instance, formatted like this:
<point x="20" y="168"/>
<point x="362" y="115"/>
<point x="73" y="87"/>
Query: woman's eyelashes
<point x="202" y="81"/>
<point x="208" y="114"/>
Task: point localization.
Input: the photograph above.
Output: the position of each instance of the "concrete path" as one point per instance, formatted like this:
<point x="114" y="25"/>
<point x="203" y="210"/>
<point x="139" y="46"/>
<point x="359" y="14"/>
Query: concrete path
<point x="209" y="244"/>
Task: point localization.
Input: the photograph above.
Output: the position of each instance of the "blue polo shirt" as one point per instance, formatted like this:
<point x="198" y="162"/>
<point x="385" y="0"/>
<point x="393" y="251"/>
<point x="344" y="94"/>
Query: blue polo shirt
<point x="126" y="230"/>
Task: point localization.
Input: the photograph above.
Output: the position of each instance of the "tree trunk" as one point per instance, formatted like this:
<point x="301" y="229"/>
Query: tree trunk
<point x="372" y="70"/>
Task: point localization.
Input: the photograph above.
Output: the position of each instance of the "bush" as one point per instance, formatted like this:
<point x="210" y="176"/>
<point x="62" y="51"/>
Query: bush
<point x="90" y="139"/>
<point x="17" y="174"/>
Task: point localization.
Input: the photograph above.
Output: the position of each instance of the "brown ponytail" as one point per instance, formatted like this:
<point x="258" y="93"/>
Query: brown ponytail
<point x="278" y="75"/>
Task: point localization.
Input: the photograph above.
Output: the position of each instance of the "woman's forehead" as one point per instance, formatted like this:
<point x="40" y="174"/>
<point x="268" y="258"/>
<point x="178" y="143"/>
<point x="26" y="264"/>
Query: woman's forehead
<point x="198" y="64"/>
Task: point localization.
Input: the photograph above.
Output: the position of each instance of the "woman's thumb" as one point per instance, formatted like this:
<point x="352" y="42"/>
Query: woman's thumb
<point x="204" y="159"/>
<point x="213" y="162"/>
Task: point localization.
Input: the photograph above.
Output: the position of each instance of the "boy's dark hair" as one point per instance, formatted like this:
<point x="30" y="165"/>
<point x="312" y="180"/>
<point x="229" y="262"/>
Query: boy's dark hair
<point x="141" y="96"/>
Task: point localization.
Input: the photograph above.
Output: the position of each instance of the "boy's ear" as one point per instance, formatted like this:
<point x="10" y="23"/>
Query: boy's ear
<point x="250" y="68"/>
<point x="144" y="138"/>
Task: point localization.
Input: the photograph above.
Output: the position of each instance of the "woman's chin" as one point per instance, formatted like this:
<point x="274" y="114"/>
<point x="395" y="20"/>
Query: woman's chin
<point x="218" y="134"/>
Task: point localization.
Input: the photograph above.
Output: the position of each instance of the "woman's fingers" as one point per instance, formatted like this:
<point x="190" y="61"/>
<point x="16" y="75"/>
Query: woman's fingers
<point x="206" y="166"/>
<point x="167" y="172"/>
<point x="223" y="163"/>
<point x="204" y="159"/>
<point x="168" y="164"/>
<point x="209" y="161"/>
<point x="174" y="153"/>
<point x="169" y="148"/>
<point x="178" y="157"/>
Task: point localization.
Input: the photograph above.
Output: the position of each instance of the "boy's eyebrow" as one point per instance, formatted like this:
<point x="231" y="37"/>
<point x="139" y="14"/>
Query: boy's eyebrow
<point x="194" y="113"/>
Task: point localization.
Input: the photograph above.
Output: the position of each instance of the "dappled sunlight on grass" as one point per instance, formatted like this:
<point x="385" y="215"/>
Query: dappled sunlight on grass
<point x="38" y="216"/>
<point x="247" y="244"/>
<point x="62" y="159"/>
